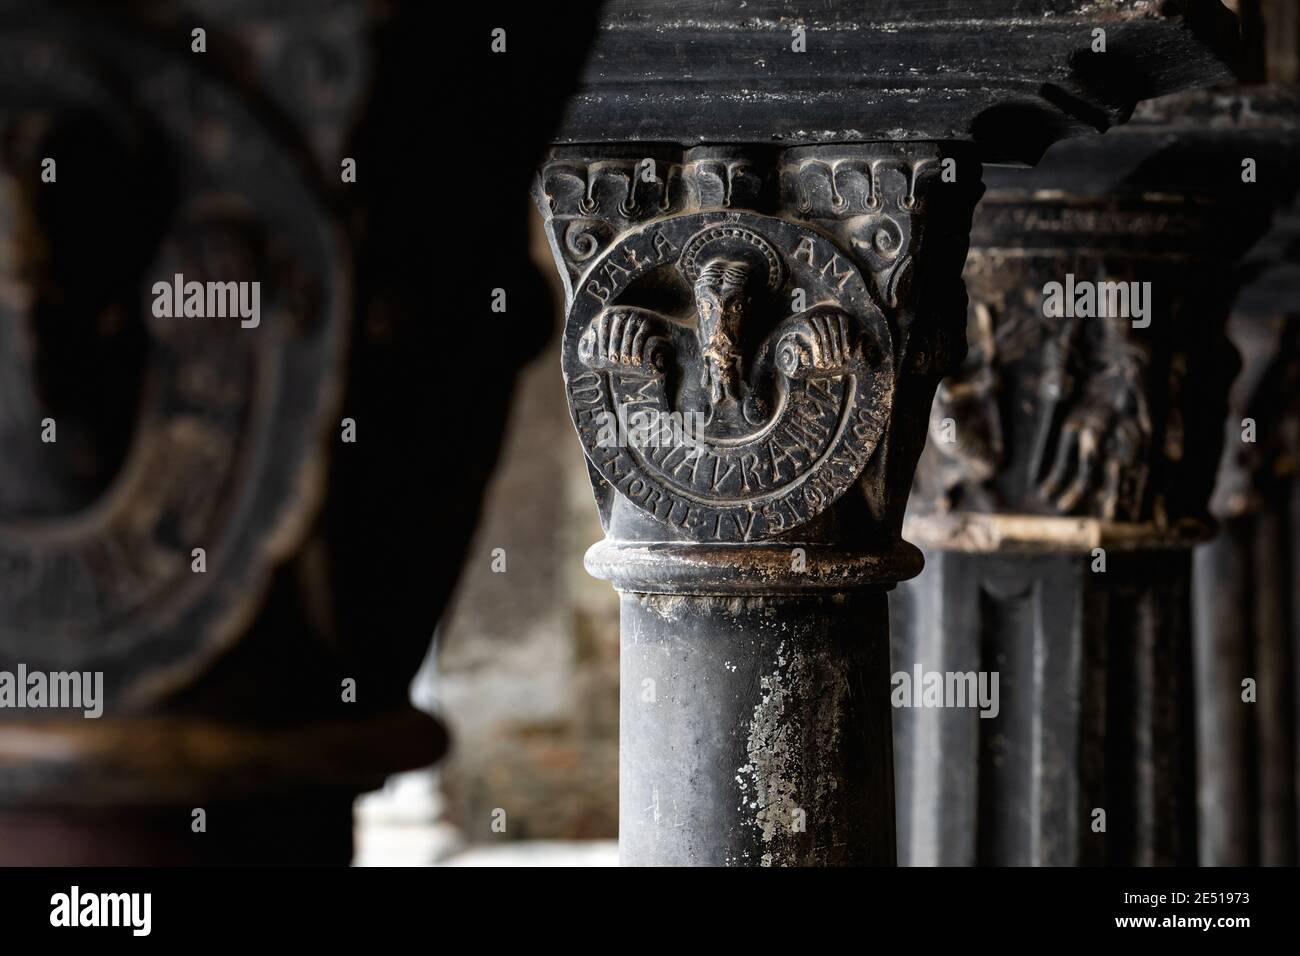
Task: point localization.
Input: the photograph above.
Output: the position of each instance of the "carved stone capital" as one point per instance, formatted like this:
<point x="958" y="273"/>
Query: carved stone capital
<point x="753" y="336"/>
<point x="1100" y="284"/>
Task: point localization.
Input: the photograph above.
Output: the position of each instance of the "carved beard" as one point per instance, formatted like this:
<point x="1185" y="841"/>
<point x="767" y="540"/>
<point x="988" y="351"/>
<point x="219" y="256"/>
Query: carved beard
<point x="721" y="374"/>
<point x="720" y="296"/>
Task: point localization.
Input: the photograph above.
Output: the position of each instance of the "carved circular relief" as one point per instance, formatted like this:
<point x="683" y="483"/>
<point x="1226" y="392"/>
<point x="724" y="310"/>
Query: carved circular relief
<point x="225" y="451"/>
<point x="728" y="373"/>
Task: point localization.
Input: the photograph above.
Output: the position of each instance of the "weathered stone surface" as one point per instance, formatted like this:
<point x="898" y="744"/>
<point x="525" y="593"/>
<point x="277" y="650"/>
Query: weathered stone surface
<point x="1094" y="416"/>
<point x="796" y="307"/>
<point x="792" y="398"/>
<point x="1011" y="76"/>
<point x="755" y="731"/>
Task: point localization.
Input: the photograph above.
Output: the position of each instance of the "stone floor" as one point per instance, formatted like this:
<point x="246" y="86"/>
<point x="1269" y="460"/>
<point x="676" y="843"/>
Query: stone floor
<point x="439" y="845"/>
<point x="405" y="825"/>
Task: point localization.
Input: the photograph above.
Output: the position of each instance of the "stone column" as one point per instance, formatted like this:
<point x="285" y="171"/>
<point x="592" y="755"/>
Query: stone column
<point x="1246" y="620"/>
<point x="735" y="379"/>
<point x="1245" y="581"/>
<point x="237" y="532"/>
<point x="754" y="332"/>
<point x="1066" y="479"/>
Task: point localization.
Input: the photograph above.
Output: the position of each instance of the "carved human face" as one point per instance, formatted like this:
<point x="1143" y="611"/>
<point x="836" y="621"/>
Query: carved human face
<point x="721" y="295"/>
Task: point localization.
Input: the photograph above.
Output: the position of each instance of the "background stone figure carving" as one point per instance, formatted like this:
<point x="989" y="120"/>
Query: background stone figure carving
<point x="1073" y="393"/>
<point x="964" y="458"/>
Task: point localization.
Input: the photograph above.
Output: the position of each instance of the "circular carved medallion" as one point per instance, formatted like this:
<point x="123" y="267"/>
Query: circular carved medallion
<point x="728" y="373"/>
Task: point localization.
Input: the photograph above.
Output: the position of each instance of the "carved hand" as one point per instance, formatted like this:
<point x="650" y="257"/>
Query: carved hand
<point x="626" y="339"/>
<point x="1097" y="447"/>
<point x="820" y="342"/>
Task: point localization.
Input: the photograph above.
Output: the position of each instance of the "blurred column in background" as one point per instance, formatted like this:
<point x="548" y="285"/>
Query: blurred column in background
<point x="329" y="458"/>
<point x="1066" y="480"/>
<point x="1247" y="613"/>
<point x="1246" y="581"/>
<point x="528" y="663"/>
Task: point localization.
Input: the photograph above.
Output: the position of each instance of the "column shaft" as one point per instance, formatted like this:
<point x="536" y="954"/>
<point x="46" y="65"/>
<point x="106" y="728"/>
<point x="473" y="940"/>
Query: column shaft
<point x="755" y="730"/>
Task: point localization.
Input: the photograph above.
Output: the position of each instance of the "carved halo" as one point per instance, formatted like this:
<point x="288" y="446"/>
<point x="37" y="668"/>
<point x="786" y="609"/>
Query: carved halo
<point x="733" y="242"/>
